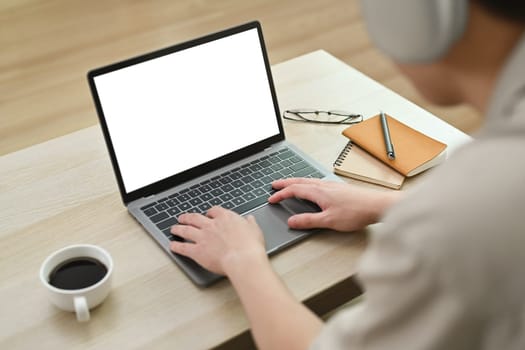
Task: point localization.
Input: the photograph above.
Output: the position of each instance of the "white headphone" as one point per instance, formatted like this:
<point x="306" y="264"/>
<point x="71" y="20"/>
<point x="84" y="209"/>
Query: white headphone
<point x="415" y="31"/>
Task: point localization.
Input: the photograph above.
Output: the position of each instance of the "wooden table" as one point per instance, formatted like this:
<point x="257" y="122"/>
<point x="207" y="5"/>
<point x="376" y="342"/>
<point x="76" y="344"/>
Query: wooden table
<point x="63" y="192"/>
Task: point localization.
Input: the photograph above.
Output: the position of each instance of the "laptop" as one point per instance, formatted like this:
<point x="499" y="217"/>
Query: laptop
<point x="195" y="125"/>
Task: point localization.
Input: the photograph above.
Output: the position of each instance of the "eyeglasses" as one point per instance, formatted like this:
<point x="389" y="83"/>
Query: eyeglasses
<point x="322" y="117"/>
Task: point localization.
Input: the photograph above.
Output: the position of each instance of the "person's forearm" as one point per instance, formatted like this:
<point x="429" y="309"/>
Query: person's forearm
<point x="278" y="321"/>
<point x="385" y="201"/>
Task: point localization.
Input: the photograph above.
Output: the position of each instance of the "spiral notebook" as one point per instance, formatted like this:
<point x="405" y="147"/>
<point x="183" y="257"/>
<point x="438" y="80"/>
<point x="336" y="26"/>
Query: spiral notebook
<point x="354" y="162"/>
<point x="415" y="151"/>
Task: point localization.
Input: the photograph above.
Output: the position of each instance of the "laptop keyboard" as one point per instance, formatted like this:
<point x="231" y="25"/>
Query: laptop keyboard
<point x="240" y="189"/>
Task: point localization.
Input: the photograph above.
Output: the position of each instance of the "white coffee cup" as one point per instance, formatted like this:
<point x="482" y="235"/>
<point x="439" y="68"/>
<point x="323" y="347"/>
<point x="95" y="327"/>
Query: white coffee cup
<point x="78" y="300"/>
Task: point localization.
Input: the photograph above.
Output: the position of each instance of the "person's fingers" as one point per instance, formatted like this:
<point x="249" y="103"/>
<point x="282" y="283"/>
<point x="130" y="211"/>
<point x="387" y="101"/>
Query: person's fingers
<point x="307" y="221"/>
<point x="187" y="232"/>
<point x="193" y="219"/>
<point x="278" y="184"/>
<point x="251" y="219"/>
<point x="217" y="211"/>
<point x="304" y="191"/>
<point x="183" y="248"/>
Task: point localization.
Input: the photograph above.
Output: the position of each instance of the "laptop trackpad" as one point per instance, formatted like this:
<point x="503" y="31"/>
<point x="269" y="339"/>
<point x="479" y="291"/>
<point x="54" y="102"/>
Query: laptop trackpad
<point x="273" y="220"/>
<point x="296" y="206"/>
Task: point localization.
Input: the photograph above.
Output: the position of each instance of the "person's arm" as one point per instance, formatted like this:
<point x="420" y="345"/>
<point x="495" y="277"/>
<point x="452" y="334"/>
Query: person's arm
<point x="344" y="207"/>
<point x="277" y="319"/>
<point x="229" y="244"/>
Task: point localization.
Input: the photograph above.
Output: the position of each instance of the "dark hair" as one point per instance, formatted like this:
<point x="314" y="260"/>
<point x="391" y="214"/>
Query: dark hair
<point x="511" y="9"/>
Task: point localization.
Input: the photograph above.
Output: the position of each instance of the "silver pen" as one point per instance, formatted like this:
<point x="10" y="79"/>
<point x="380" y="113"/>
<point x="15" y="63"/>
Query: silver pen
<point x="386" y="136"/>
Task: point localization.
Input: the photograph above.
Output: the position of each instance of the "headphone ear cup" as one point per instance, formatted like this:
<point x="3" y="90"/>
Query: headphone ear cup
<point x="415" y="31"/>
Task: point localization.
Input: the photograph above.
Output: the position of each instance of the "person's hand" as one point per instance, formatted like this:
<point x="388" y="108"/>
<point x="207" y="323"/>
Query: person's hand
<point x="344" y="207"/>
<point x="221" y="239"/>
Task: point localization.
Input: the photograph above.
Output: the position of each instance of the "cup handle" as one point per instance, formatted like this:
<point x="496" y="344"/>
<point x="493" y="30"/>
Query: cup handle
<point x="81" y="309"/>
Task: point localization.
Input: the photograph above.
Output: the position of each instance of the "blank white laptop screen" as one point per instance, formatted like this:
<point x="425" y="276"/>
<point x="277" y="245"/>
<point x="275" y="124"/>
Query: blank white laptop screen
<point x="175" y="112"/>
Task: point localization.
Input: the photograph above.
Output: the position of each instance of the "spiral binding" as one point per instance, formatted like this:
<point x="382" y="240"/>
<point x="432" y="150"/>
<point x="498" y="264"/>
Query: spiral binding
<point x="343" y="154"/>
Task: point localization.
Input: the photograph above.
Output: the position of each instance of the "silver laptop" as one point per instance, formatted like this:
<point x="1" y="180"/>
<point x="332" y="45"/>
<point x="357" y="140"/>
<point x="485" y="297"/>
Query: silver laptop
<point x="196" y="125"/>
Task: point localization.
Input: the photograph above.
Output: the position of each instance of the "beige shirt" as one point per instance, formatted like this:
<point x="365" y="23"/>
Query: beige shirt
<point x="446" y="270"/>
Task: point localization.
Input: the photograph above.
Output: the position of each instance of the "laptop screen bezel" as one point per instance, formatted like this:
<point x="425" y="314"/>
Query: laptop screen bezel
<point x="204" y="168"/>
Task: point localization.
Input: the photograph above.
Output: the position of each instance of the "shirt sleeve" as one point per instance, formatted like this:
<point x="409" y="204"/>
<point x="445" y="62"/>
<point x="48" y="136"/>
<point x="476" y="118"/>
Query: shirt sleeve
<point x="411" y="299"/>
<point x="405" y="305"/>
<point x="444" y="270"/>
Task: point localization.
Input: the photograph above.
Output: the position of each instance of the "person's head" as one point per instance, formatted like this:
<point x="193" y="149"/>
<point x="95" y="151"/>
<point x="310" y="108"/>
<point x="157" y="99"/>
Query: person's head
<point x="452" y="50"/>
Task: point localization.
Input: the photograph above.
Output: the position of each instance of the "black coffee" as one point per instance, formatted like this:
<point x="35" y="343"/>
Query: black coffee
<point x="77" y="273"/>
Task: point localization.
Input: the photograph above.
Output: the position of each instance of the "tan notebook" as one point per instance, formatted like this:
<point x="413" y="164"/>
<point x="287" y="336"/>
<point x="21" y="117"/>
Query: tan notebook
<point x="355" y="163"/>
<point x="415" y="151"/>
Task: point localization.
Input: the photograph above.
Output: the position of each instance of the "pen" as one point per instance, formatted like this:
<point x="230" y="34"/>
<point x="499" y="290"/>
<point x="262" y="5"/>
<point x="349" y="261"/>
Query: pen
<point x="386" y="136"/>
